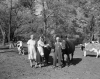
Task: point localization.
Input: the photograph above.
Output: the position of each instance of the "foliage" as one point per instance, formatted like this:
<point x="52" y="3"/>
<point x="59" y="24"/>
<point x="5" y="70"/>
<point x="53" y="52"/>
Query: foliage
<point x="65" y="17"/>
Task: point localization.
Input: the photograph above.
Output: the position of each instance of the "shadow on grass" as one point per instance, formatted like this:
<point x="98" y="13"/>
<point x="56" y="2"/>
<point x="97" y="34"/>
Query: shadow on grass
<point x="50" y="62"/>
<point x="5" y="50"/>
<point x="4" y="47"/>
<point x="76" y="61"/>
<point x="25" y="50"/>
<point x="90" y="55"/>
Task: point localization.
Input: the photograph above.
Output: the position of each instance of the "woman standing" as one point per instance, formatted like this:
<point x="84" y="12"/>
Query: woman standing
<point x="31" y="50"/>
<point x="40" y="46"/>
<point x="58" y="53"/>
<point x="40" y="53"/>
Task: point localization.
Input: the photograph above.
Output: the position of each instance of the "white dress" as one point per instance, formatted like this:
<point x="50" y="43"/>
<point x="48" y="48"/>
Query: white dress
<point x="31" y="49"/>
<point x="40" y="47"/>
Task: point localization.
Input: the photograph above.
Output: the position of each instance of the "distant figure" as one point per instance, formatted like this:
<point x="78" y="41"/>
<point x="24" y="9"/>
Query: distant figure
<point x="82" y="46"/>
<point x="11" y="44"/>
<point x="31" y="50"/>
<point x="58" y="53"/>
<point x="67" y="38"/>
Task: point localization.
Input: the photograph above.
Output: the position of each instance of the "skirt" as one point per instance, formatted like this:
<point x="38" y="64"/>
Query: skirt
<point x="31" y="53"/>
<point x="40" y="49"/>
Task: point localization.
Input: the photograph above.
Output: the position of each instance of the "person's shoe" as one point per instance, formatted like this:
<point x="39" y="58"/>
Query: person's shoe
<point x="60" y="66"/>
<point x="53" y="67"/>
<point x="40" y="65"/>
<point x="36" y="66"/>
<point x="31" y="66"/>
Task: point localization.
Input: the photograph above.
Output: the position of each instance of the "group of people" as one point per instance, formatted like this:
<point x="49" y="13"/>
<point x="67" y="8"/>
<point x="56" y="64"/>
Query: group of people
<point x="33" y="47"/>
<point x="36" y="52"/>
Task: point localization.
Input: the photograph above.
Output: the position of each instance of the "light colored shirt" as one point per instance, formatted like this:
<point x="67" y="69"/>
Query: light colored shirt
<point x="31" y="43"/>
<point x="40" y="43"/>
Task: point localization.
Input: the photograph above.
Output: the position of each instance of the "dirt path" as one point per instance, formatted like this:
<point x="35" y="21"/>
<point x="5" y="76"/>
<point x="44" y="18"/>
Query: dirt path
<point x="14" y="66"/>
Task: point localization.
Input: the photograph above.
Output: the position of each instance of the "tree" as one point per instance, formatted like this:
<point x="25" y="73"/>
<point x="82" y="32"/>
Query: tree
<point x="3" y="34"/>
<point x="4" y="19"/>
<point x="72" y="17"/>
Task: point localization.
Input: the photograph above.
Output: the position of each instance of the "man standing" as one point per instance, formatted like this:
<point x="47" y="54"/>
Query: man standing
<point x="58" y="53"/>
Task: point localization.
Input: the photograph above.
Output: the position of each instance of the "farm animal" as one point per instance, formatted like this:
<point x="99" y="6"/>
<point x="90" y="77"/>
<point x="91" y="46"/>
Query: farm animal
<point x="94" y="46"/>
<point x="68" y="48"/>
<point x="20" y="47"/>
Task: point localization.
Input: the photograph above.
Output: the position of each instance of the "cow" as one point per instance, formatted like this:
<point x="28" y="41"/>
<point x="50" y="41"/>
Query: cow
<point x="20" y="47"/>
<point x="82" y="46"/>
<point x="68" y="48"/>
<point x="93" y="46"/>
<point x="47" y="51"/>
<point x="43" y="58"/>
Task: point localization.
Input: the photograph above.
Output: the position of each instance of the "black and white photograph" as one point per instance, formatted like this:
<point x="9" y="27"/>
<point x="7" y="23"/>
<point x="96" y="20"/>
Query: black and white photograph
<point x="49" y="39"/>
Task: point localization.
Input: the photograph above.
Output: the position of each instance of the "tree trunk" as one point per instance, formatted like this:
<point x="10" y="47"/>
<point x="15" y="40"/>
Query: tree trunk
<point x="3" y="41"/>
<point x="10" y="22"/>
<point x="3" y="35"/>
<point x="91" y="36"/>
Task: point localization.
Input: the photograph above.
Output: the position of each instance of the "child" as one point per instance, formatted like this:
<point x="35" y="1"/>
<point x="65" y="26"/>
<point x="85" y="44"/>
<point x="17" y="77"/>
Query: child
<point x="58" y="52"/>
<point x="31" y="50"/>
